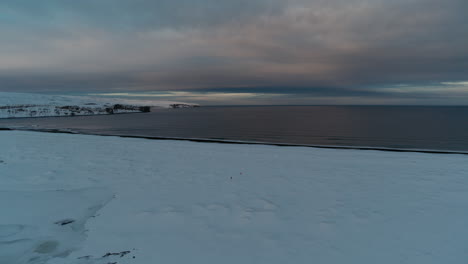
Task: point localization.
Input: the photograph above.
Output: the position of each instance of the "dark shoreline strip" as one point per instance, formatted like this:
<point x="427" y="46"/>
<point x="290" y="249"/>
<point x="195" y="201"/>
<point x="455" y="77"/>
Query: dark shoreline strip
<point x="201" y="140"/>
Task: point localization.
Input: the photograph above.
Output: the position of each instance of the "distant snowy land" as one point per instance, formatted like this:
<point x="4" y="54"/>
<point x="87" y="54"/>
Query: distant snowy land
<point x="81" y="199"/>
<point x="37" y="105"/>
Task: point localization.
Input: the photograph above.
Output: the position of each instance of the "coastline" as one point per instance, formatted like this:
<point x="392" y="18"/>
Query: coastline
<point x="240" y="142"/>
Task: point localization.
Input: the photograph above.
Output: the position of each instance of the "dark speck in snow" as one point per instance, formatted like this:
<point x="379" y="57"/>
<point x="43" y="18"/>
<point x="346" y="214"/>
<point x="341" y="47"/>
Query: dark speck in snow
<point x="65" y="222"/>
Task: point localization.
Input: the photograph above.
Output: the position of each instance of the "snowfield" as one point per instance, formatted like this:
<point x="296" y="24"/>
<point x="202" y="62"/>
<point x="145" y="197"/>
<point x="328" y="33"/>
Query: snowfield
<point x="36" y="105"/>
<point x="80" y="199"/>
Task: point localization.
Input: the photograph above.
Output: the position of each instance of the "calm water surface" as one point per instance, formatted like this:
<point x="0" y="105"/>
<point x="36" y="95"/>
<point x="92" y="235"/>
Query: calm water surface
<point x="440" y="128"/>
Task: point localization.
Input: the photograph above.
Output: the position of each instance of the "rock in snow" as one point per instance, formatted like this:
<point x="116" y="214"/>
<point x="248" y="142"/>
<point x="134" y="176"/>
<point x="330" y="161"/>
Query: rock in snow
<point x="36" y="105"/>
<point x="79" y="199"/>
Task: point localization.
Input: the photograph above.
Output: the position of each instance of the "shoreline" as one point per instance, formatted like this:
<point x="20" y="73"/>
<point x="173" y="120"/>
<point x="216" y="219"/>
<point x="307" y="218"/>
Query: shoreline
<point x="72" y="198"/>
<point x="235" y="142"/>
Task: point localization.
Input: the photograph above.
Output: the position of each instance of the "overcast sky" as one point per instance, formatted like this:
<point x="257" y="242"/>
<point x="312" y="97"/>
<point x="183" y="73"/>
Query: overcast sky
<point x="240" y="51"/>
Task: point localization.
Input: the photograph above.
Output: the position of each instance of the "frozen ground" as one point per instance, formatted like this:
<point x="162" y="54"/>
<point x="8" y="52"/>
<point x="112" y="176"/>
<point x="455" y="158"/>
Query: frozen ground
<point x="37" y="105"/>
<point x="79" y="199"/>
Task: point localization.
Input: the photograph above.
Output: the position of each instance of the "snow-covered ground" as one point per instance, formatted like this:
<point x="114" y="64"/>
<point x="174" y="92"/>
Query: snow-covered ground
<point x="80" y="199"/>
<point x="37" y="105"/>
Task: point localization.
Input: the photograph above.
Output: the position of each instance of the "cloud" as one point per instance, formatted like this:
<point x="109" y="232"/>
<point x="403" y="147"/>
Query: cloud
<point x="456" y="83"/>
<point x="333" y="48"/>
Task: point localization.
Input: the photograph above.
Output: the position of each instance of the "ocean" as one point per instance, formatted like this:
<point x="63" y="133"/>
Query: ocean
<point x="397" y="127"/>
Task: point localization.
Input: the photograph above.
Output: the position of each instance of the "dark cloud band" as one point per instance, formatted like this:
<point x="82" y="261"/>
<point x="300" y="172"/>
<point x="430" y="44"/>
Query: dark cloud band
<point x="331" y="48"/>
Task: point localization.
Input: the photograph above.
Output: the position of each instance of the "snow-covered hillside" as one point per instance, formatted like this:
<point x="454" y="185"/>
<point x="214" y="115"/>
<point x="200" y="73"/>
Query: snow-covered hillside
<point x="80" y="199"/>
<point x="37" y="105"/>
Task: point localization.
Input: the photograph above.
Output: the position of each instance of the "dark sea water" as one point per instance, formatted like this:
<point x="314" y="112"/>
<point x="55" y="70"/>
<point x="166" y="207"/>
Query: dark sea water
<point x="402" y="127"/>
